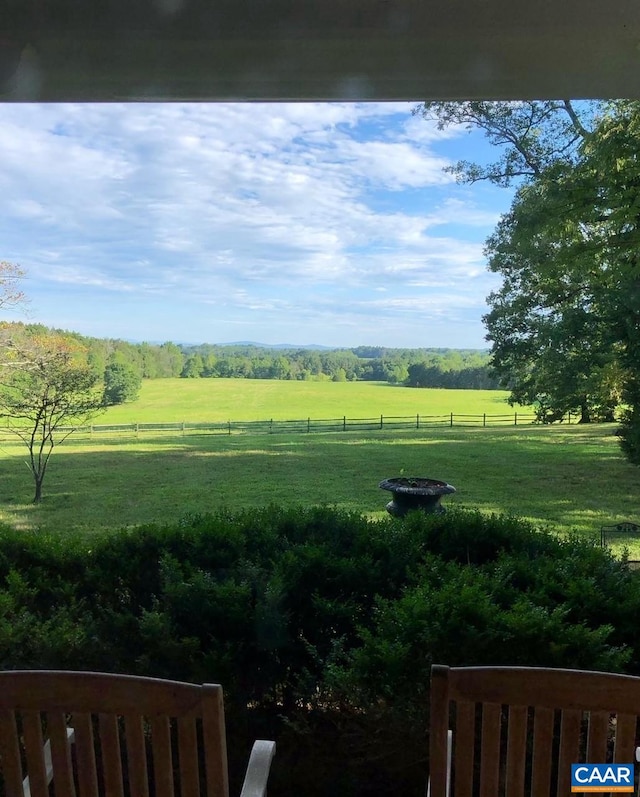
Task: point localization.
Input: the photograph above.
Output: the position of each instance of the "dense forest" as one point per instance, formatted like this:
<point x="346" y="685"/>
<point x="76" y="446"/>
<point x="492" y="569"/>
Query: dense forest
<point x="440" y="368"/>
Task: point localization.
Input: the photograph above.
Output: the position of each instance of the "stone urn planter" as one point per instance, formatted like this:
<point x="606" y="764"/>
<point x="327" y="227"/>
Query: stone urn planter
<point x="415" y="492"/>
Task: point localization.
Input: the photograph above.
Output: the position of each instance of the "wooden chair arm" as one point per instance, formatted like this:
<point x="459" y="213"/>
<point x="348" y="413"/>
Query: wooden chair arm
<point x="255" y="779"/>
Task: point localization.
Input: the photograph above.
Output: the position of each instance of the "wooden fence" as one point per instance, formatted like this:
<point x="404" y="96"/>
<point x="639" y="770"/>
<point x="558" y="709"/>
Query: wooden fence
<point x="305" y="425"/>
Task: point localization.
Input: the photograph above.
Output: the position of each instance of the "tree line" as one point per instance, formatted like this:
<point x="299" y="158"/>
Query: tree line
<point x="122" y="364"/>
<point x="412" y="367"/>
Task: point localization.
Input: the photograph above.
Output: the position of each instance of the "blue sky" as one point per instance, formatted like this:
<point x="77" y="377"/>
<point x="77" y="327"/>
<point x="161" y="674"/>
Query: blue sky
<point x="299" y="223"/>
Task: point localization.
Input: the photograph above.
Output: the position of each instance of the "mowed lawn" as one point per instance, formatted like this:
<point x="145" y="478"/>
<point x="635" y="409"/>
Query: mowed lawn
<point x="563" y="477"/>
<point x="196" y="400"/>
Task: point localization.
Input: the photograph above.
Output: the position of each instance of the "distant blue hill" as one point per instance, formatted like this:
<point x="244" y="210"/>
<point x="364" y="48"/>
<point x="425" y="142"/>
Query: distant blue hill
<point x="314" y="346"/>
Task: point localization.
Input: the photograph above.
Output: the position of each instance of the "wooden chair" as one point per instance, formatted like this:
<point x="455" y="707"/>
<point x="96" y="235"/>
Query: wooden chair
<point x="517" y="730"/>
<point x="132" y="736"/>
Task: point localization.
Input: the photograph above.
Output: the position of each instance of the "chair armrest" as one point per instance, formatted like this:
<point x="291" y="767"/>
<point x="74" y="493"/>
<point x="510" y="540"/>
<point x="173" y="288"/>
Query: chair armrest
<point x="48" y="763"/>
<point x="255" y="779"/>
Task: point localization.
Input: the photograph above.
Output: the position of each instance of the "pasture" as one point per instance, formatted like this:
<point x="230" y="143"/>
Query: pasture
<point x="567" y="478"/>
<point x="177" y="400"/>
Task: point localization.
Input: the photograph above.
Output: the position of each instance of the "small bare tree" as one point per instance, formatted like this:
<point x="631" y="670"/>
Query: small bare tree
<point x="10" y="277"/>
<point x="46" y="392"/>
<point x="11" y="297"/>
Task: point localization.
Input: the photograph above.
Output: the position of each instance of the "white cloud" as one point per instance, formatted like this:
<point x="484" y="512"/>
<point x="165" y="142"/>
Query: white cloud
<point x="247" y="207"/>
<point x="395" y="165"/>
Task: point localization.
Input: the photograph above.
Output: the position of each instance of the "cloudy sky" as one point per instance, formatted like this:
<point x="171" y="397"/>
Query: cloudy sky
<point x="305" y="223"/>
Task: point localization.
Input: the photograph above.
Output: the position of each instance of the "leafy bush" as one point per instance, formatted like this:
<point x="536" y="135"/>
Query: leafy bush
<point x="322" y="625"/>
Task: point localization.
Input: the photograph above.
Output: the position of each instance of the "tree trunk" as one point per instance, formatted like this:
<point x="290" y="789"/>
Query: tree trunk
<point x="38" y="494"/>
<point x="585" y="413"/>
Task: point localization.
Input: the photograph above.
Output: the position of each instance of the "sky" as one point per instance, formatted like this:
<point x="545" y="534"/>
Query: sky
<point x="308" y="223"/>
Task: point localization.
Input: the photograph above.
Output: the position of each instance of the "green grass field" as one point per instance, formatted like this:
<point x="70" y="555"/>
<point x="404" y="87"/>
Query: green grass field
<point x="176" y="400"/>
<point x="563" y="477"/>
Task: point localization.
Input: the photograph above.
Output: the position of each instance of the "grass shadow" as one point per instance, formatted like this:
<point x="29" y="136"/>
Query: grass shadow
<point x="563" y="477"/>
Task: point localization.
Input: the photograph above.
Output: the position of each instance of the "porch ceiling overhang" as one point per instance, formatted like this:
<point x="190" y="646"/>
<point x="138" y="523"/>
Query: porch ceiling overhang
<point x="94" y="50"/>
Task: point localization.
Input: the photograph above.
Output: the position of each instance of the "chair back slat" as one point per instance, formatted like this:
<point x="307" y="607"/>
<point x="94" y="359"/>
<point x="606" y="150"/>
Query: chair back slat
<point x="136" y="755"/>
<point x="162" y="757"/>
<point x="569" y="748"/>
<point x="111" y="752"/>
<point x="85" y="754"/>
<point x="34" y="753"/>
<point x="215" y="746"/>
<point x="490" y="750"/>
<point x="516" y="751"/>
<point x="464" y="747"/>
<point x="60" y="754"/>
<point x="542" y="753"/>
<point x="598" y="736"/>
<point x="625" y="742"/>
<point x="188" y="758"/>
<point x="10" y="754"/>
<point x="517" y="731"/>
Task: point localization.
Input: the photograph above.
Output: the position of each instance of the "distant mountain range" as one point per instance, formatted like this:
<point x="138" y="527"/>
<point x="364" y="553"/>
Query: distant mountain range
<point x="315" y="346"/>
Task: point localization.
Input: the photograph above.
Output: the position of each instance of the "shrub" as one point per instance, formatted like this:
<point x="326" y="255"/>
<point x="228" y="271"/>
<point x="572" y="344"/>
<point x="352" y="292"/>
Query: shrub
<point x="321" y="624"/>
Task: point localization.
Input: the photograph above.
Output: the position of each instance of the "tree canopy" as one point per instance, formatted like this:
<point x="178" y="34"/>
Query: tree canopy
<point x="565" y="323"/>
<point x="552" y="341"/>
<point x="530" y="134"/>
<point x="122" y="383"/>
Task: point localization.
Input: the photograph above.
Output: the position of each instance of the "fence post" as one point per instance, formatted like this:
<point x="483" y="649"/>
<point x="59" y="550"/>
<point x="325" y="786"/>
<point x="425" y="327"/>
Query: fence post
<point x="308" y="424"/>
<point x="271" y="426"/>
<point x="484" y="418"/>
<point x="515" y="418"/>
<point x="183" y="428"/>
<point x="381" y="421"/>
<point x="229" y="423"/>
<point x="137" y="429"/>
<point x="569" y="418"/>
<point x="344" y="423"/>
<point x="451" y="420"/>
<point x="417" y="421"/>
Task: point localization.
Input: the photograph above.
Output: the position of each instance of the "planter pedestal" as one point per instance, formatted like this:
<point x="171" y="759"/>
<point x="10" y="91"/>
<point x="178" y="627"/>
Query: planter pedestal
<point x="417" y="492"/>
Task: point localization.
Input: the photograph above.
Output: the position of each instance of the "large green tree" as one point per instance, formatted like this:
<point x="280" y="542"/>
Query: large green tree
<point x="565" y="324"/>
<point x="122" y="382"/>
<point x="606" y="191"/>
<point x="552" y="342"/>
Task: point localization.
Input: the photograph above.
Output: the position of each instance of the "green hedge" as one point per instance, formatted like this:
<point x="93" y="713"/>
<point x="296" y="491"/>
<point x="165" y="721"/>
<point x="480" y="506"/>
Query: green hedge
<point x="321" y="625"/>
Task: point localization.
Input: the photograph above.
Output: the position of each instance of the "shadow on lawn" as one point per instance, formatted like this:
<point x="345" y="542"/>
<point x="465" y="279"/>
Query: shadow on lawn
<point x="568" y="480"/>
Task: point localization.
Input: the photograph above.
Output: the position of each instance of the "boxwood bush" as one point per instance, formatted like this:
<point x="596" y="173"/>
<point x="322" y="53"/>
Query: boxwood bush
<point x="321" y="624"/>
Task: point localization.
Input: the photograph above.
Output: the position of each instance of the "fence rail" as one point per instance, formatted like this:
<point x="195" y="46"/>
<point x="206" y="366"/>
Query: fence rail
<point x="302" y="425"/>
